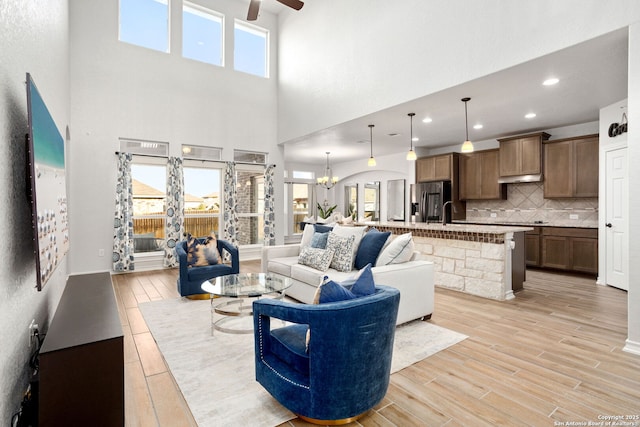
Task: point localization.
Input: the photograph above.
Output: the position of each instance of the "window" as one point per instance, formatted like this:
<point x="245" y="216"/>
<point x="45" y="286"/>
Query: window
<point x="302" y="196"/>
<point x="202" y="34"/>
<point x="249" y="157"/>
<point x="198" y="152"/>
<point x="149" y="177"/>
<point x="250" y="205"/>
<point x="250" y="53"/>
<point x="202" y="200"/>
<point x="145" y="23"/>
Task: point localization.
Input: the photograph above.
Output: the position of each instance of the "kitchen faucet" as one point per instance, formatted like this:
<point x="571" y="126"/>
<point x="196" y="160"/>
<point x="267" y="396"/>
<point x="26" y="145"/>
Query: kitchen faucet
<point x="444" y="213"/>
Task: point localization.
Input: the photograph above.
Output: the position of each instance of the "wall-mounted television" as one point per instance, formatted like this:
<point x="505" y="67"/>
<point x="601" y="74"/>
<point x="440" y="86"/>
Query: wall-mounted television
<point x="48" y="195"/>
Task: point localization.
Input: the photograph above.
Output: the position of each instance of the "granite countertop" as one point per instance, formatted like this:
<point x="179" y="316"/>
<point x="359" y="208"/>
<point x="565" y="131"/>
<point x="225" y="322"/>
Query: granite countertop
<point x="565" y="224"/>
<point x="457" y="227"/>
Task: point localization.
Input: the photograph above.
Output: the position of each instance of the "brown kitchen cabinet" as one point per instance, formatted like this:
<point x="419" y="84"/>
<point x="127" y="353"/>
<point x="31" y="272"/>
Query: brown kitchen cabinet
<point x="522" y="155"/>
<point x="532" y="247"/>
<point x="570" y="249"/>
<point x="434" y="168"/>
<point x="571" y="167"/>
<point x="479" y="173"/>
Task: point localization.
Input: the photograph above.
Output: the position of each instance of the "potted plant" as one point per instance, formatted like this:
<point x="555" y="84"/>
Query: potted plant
<point x="325" y="212"/>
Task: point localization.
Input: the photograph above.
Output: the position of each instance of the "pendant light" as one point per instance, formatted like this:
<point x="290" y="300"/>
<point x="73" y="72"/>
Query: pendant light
<point x="467" y="146"/>
<point x="327" y="180"/>
<point x="372" y="161"/>
<point x="411" y="155"/>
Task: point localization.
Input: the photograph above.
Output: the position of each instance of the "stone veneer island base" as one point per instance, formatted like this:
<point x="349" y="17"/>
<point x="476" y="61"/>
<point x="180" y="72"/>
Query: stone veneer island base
<point x="482" y="260"/>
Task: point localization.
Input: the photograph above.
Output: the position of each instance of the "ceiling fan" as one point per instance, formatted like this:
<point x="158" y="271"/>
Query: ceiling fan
<point x="254" y="7"/>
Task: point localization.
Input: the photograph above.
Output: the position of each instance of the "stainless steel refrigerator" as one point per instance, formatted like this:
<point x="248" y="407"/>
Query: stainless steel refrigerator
<point x="427" y="199"/>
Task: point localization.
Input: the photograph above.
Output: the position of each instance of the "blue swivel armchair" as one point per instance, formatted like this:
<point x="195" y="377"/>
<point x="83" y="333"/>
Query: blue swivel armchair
<point x="191" y="278"/>
<point x="345" y="370"/>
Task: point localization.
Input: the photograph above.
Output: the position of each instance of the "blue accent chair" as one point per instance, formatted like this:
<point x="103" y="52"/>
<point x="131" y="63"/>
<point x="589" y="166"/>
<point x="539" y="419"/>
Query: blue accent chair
<point x="191" y="278"/>
<point x="345" y="371"/>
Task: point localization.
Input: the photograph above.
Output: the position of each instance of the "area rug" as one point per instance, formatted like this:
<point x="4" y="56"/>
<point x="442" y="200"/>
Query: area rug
<point x="216" y="373"/>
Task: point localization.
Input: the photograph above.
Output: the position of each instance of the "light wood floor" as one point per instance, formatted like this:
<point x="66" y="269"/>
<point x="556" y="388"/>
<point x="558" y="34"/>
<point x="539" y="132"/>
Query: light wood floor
<point x="554" y="354"/>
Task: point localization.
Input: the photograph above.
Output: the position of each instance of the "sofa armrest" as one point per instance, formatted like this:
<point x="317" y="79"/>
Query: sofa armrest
<point x="278" y="251"/>
<point x="415" y="281"/>
<point x="224" y="245"/>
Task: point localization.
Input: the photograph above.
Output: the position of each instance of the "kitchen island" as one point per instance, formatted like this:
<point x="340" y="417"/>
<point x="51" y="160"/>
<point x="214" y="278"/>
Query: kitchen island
<point x="482" y="260"/>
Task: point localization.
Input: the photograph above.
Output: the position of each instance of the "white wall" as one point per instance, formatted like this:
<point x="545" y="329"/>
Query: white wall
<point x="34" y="39"/>
<point x="341" y="60"/>
<point x="633" y="139"/>
<point x="121" y="90"/>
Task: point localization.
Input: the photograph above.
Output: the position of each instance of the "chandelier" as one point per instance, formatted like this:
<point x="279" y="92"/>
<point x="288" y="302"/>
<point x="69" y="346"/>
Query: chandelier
<point x="327" y="180"/>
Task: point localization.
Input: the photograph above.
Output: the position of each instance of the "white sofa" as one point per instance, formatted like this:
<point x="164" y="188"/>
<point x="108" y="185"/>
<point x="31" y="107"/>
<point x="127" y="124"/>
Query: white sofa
<point x="414" y="279"/>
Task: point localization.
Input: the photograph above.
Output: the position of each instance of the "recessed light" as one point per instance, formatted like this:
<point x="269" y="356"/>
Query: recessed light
<point x="477" y="126"/>
<point x="415" y="139"/>
<point x="551" y="81"/>
<point x="529" y="116"/>
<point x="427" y="120"/>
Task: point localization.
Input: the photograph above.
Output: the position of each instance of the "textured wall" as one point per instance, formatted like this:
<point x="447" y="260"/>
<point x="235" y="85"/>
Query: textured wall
<point x="33" y="38"/>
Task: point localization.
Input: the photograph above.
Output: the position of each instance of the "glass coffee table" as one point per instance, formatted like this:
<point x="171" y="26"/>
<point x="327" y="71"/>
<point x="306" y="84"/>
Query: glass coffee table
<point x="238" y="290"/>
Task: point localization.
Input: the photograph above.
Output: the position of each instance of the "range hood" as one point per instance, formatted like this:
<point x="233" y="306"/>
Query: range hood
<point x="520" y="178"/>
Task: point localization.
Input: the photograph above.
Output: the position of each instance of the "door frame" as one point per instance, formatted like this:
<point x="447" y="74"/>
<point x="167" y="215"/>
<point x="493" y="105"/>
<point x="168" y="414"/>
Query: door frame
<point x="602" y="207"/>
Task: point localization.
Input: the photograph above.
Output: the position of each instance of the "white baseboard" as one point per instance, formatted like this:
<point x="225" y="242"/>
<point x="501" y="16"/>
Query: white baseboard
<point x="632" y="347"/>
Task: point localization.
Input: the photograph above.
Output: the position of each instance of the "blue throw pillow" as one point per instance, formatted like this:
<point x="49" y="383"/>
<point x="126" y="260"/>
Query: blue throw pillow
<point x="319" y="240"/>
<point x="330" y="291"/>
<point x="318" y="228"/>
<point x="363" y="284"/>
<point x="370" y="247"/>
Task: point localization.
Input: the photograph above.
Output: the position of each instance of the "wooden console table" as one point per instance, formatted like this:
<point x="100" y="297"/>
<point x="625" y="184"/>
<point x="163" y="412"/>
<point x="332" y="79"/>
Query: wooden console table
<point x="82" y="359"/>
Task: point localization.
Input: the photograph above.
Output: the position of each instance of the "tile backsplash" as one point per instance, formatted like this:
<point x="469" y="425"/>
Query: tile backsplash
<point x="526" y="203"/>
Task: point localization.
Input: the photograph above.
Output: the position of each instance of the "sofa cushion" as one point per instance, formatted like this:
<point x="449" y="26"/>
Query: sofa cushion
<point x="282" y="265"/>
<point x="207" y="253"/>
<point x="207" y="272"/>
<point x="319" y="240"/>
<point x="320" y="228"/>
<point x="320" y="259"/>
<point x="370" y="247"/>
<point x="289" y="345"/>
<point x="313" y="277"/>
<point x="398" y="251"/>
<point x="310" y="230"/>
<point x="342" y="248"/>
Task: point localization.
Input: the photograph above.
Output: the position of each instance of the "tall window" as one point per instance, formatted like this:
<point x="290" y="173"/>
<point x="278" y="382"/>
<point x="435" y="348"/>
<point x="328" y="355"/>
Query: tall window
<point x="202" y="200"/>
<point x="202" y="34"/>
<point x="251" y="52"/>
<point x="145" y="23"/>
<point x="149" y="182"/>
<point x="250" y="205"/>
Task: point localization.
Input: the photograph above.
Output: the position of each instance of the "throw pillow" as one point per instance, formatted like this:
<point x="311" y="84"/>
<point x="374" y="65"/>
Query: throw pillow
<point x="346" y="231"/>
<point x="319" y="240"/>
<point x="320" y="259"/>
<point x="319" y="228"/>
<point x="192" y="242"/>
<point x="398" y="251"/>
<point x="307" y="234"/>
<point x="330" y="291"/>
<point x="370" y="247"/>
<point x="207" y="253"/>
<point x="362" y="283"/>
<point x="342" y="248"/>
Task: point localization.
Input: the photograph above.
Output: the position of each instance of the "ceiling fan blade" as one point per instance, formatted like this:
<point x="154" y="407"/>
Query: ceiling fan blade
<point x="254" y="7"/>
<point x="294" y="4"/>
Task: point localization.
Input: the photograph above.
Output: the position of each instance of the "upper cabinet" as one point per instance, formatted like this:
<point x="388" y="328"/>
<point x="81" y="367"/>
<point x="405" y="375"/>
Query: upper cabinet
<point x="434" y="168"/>
<point x="522" y="155"/>
<point x="479" y="173"/>
<point x="571" y="167"/>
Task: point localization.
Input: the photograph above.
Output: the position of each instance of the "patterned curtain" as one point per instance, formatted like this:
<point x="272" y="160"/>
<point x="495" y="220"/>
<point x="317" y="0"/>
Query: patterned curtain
<point x="123" y="220"/>
<point x="269" y="206"/>
<point x="230" y="211"/>
<point x="175" y="211"/>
